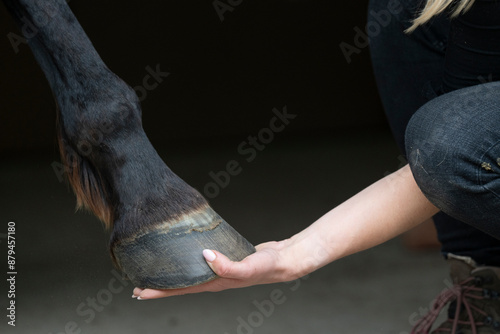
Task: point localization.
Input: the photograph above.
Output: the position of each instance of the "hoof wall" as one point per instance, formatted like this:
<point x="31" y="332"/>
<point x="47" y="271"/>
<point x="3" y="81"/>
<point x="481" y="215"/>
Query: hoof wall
<point x="170" y="256"/>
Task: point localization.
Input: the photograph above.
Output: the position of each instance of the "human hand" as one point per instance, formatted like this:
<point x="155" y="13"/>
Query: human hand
<point x="267" y="265"/>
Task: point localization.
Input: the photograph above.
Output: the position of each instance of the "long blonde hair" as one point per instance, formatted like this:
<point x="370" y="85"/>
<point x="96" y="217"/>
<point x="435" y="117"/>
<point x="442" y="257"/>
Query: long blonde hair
<point x="435" y="7"/>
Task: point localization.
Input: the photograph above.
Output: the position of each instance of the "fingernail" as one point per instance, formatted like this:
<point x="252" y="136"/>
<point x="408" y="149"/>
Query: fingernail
<point x="134" y="296"/>
<point x="209" y="255"/>
<point x="139" y="298"/>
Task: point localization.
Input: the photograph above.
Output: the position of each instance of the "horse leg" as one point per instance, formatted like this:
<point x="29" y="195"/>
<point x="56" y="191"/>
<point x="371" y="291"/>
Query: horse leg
<point x="160" y="225"/>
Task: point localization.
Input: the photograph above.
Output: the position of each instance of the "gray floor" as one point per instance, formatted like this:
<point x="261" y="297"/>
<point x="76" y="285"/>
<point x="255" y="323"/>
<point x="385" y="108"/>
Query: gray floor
<point x="63" y="264"/>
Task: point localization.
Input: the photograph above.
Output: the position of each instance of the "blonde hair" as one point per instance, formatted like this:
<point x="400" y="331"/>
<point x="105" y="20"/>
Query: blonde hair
<point x="435" y="7"/>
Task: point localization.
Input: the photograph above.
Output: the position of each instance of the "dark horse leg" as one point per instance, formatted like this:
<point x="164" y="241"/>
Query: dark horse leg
<point x="160" y="225"/>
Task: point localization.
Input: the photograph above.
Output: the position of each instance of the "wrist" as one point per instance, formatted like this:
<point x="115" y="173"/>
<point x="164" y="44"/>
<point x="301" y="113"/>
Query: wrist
<point x="308" y="251"/>
<point x="298" y="259"/>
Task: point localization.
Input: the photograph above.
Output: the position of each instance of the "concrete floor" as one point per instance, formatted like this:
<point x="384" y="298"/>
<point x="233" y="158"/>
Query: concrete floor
<point x="63" y="264"/>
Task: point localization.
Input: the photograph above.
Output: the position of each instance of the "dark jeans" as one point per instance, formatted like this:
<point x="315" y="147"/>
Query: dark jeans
<point x="453" y="141"/>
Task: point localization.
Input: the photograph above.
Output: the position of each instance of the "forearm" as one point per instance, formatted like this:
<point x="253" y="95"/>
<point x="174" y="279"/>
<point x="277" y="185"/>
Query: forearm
<point x="380" y="212"/>
<point x="376" y="214"/>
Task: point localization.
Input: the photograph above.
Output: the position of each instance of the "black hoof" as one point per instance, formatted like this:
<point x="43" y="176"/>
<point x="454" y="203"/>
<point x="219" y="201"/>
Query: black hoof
<point x="170" y="255"/>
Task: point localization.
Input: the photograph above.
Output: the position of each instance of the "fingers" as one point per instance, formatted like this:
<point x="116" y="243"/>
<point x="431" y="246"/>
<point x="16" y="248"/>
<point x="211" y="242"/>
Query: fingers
<point x="213" y="286"/>
<point x="137" y="292"/>
<point x="154" y="294"/>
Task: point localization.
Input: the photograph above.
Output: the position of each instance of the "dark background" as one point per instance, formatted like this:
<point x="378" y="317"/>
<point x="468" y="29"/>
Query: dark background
<point x="225" y="77"/>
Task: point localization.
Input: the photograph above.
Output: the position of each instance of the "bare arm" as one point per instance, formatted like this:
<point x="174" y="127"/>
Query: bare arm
<point x="378" y="213"/>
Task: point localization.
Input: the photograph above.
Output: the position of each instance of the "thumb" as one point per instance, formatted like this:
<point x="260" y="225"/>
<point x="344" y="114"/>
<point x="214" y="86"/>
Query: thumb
<point x="220" y="264"/>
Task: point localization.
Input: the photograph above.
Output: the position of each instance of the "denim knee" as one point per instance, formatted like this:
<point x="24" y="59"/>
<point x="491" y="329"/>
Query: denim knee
<point x="453" y="148"/>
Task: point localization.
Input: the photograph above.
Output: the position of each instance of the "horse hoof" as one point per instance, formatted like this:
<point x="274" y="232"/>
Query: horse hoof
<point x="169" y="256"/>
